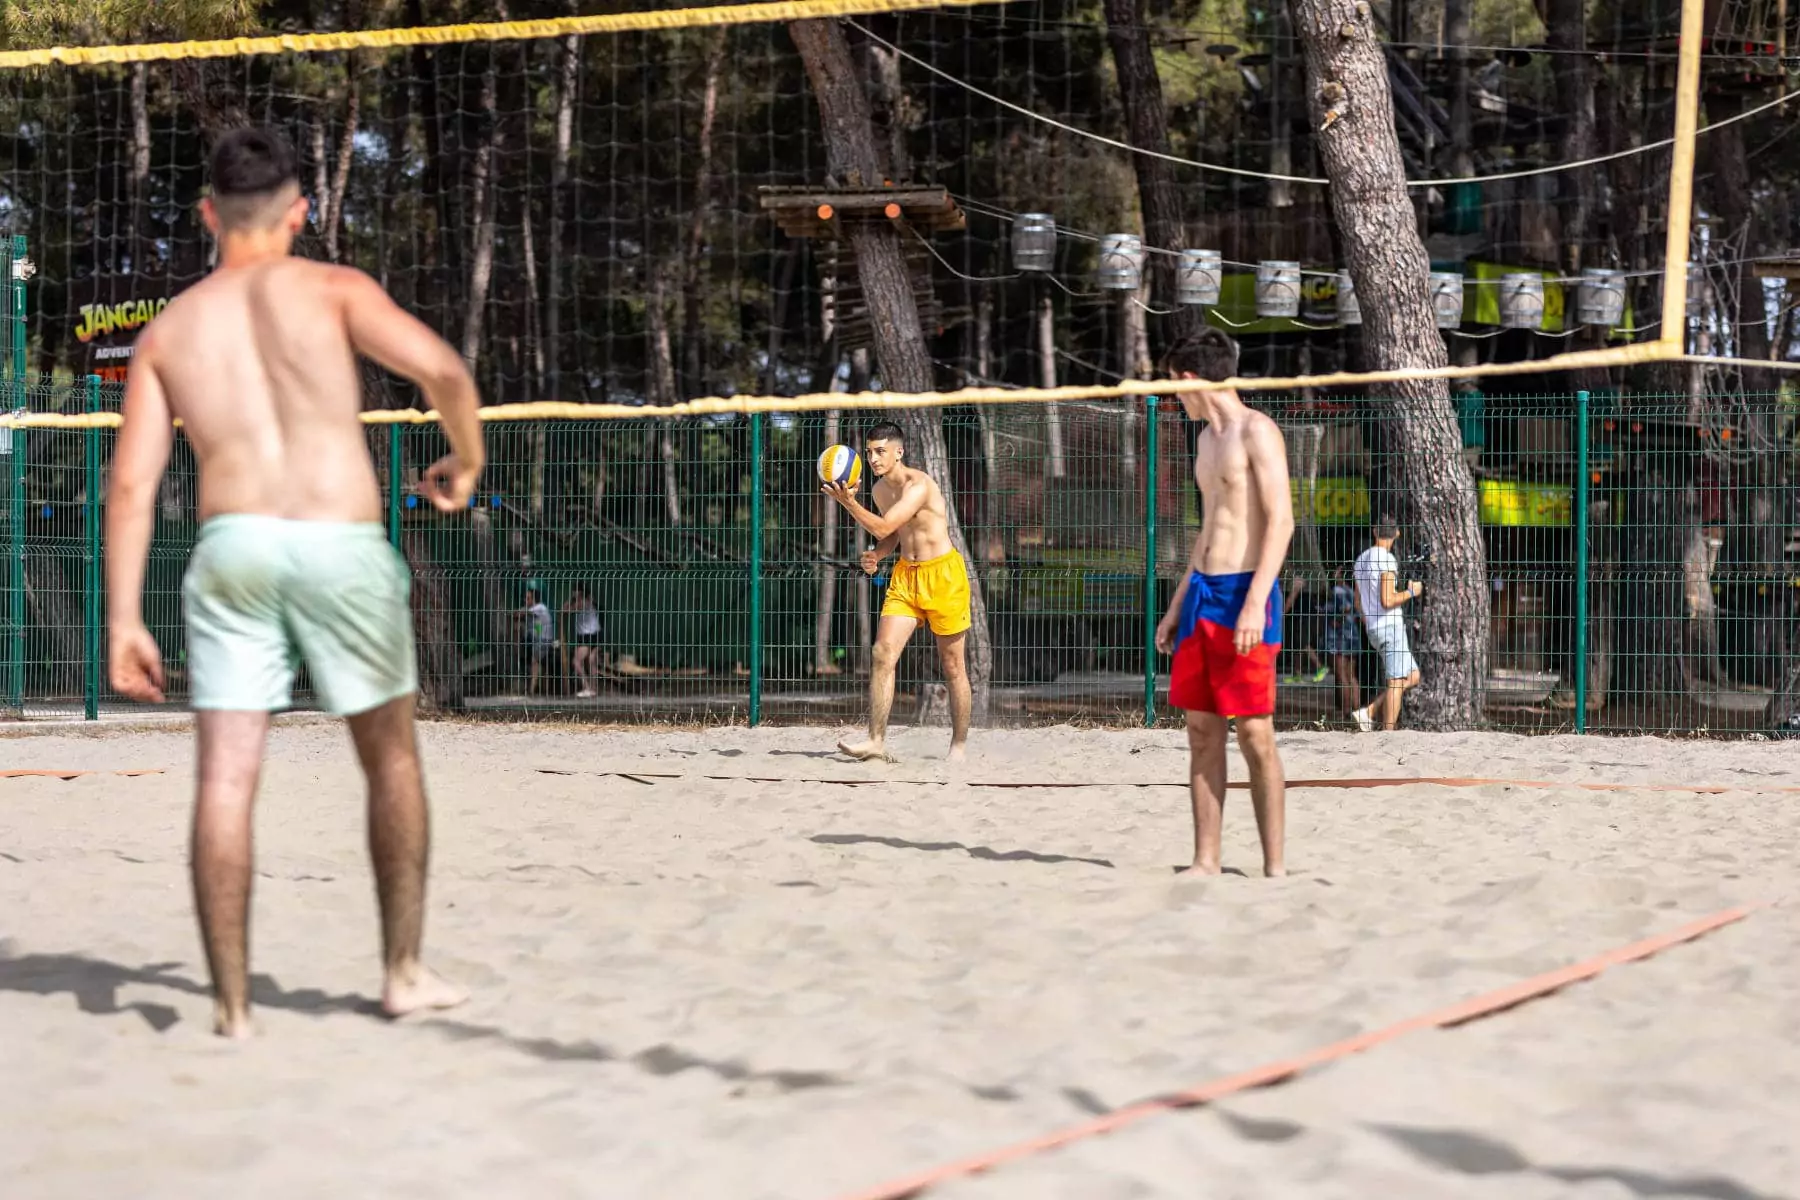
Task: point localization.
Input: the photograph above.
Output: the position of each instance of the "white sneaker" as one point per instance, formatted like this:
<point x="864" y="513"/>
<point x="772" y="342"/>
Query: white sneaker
<point x="584" y="694"/>
<point x="1364" y="722"/>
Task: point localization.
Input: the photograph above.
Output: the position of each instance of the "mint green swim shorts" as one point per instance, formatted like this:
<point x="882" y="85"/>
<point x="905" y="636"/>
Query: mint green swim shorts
<point x="262" y="593"/>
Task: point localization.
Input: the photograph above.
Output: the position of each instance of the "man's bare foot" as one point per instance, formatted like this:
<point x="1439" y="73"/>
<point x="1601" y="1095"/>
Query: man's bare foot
<point x="959" y="753"/>
<point x="233" y="1025"/>
<point x="416" y="989"/>
<point x="1274" y="870"/>
<point x="866" y="751"/>
<point x="1202" y="868"/>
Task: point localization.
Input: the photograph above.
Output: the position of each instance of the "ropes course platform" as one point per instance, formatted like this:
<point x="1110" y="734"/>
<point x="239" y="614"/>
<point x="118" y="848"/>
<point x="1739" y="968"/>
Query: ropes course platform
<point x="822" y="212"/>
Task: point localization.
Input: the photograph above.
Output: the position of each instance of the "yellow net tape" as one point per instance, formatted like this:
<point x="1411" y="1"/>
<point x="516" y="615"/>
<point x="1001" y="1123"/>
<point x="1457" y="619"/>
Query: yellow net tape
<point x="494" y="31"/>
<point x="556" y="410"/>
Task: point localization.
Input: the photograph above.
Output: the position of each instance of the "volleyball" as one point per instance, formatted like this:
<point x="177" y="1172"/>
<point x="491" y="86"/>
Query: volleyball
<point x="840" y="464"/>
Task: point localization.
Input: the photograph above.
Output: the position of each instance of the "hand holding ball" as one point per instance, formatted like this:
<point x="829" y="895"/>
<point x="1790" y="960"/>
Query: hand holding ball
<point x="840" y="465"/>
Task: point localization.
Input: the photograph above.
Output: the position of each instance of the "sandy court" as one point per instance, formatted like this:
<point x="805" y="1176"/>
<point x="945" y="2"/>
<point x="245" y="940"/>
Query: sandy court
<point x="744" y="981"/>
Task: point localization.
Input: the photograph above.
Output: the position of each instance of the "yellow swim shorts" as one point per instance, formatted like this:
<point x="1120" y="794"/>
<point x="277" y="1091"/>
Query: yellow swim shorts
<point x="263" y="592"/>
<point x="935" y="591"/>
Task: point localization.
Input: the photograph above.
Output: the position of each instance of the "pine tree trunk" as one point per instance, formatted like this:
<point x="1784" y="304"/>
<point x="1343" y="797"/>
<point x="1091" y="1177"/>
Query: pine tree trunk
<point x="893" y="312"/>
<point x="481" y="187"/>
<point x="1353" y="109"/>
<point x="53" y="609"/>
<point x="568" y="76"/>
<point x="1147" y="127"/>
<point x="1565" y="22"/>
<point x="1046" y="356"/>
<point x="434" y="632"/>
<point x="333" y="217"/>
<point x="693" y="356"/>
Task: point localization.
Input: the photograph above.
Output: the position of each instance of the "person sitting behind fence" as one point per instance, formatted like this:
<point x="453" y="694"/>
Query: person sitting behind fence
<point x="589" y="635"/>
<point x="1379" y="598"/>
<point x="1343" y="638"/>
<point x="540" y="634"/>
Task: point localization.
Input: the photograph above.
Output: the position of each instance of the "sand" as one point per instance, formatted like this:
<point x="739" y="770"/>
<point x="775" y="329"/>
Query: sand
<point x="723" y="986"/>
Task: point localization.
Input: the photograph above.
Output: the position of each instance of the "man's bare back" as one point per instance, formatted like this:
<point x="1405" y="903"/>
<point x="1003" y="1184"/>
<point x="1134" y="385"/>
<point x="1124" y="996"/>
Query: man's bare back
<point x="258" y="364"/>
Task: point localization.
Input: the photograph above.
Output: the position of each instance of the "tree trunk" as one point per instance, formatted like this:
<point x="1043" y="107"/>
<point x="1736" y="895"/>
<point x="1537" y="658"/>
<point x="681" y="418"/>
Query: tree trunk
<point x="1565" y="22"/>
<point x="859" y="541"/>
<point x="893" y="313"/>
<point x="140" y="167"/>
<point x="993" y="535"/>
<point x="481" y="187"/>
<point x="662" y="390"/>
<point x="1347" y="76"/>
<point x="540" y="433"/>
<point x="1046" y="355"/>
<point x="1147" y="127"/>
<point x="333" y="217"/>
<point x="440" y="657"/>
<point x="55" y="612"/>
<point x="693" y="330"/>
<point x="568" y="76"/>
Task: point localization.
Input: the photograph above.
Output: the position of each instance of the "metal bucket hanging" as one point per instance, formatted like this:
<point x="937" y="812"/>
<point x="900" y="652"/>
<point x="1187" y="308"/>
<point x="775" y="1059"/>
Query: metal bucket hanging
<point x="1277" y="288"/>
<point x="1198" y="276"/>
<point x="1696" y="290"/>
<point x="1522" y="301"/>
<point x="1600" y="300"/>
<point x="1447" y="299"/>
<point x="1034" y="242"/>
<point x="1349" y="309"/>
<point x="1121" y="262"/>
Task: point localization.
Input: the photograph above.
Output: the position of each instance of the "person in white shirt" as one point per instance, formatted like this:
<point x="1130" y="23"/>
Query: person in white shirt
<point x="1379" y="599"/>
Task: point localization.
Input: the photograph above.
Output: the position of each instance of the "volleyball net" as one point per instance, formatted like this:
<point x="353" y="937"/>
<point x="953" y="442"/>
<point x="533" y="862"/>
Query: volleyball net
<point x="638" y="230"/>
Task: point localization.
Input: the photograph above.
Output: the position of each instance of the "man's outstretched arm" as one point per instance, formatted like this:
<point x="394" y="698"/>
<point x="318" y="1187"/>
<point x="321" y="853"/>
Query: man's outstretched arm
<point x="382" y="330"/>
<point x="137" y="467"/>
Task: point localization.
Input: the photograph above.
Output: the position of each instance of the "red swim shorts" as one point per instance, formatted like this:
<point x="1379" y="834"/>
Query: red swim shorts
<point x="1208" y="674"/>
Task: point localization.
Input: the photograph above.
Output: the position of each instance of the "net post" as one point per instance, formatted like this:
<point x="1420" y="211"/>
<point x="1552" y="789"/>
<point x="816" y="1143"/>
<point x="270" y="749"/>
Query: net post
<point x="393" y="488"/>
<point x="756" y="571"/>
<point x="90" y="592"/>
<point x="1150" y="456"/>
<point x="1582" y="470"/>
<point x="15" y="488"/>
<point x="1681" y="176"/>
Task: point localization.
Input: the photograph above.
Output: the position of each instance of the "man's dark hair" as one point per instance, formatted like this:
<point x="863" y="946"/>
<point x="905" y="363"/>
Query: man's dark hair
<point x="886" y="431"/>
<point x="250" y="167"/>
<point x="1386" y="527"/>
<point x="1209" y="354"/>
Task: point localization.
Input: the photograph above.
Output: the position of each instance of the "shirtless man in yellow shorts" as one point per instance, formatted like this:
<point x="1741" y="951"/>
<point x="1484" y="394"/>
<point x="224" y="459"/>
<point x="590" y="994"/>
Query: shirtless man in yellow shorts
<point x="930" y="584"/>
<point x="258" y="361"/>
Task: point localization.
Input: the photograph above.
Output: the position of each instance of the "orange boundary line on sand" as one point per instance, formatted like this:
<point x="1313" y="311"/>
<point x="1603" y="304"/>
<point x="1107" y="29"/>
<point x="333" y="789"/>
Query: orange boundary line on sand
<point x="1278" y="1072"/>
<point x="1449" y="781"/>
<point x="130" y="773"/>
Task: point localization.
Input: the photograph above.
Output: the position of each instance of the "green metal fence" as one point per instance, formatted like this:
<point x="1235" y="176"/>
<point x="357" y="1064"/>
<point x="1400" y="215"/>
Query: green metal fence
<point x="1641" y="561"/>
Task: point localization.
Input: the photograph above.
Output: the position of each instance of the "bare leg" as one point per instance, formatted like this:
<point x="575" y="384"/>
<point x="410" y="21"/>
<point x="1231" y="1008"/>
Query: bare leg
<point x="951" y="653"/>
<point x="399" y="845"/>
<point x="1206" y="784"/>
<point x="231" y="749"/>
<point x="1268" y="789"/>
<point x="1349" y="692"/>
<point x="891" y="635"/>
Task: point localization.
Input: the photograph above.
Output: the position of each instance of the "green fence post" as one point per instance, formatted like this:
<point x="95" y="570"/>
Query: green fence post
<point x="15" y="480"/>
<point x="90" y="515"/>
<point x="395" y="485"/>
<point x="1582" y="474"/>
<point x="1150" y="456"/>
<point x="756" y="571"/>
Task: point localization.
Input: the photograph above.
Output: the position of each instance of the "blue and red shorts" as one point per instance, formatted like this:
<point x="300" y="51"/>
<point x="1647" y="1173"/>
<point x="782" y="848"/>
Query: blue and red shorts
<point x="1209" y="675"/>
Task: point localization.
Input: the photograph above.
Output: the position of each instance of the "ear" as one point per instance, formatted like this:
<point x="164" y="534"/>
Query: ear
<point x="209" y="216"/>
<point x="295" y="220"/>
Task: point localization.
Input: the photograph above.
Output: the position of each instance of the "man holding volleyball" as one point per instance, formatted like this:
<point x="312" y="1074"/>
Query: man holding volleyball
<point x="258" y="362"/>
<point x="1224" y="621"/>
<point x="929" y="584"/>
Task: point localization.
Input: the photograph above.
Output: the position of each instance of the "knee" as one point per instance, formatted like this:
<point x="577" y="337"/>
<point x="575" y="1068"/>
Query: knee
<point x="1256" y="738"/>
<point x="1205" y="736"/>
<point x="885" y="657"/>
<point x="954" y="666"/>
<point x="1412" y="681"/>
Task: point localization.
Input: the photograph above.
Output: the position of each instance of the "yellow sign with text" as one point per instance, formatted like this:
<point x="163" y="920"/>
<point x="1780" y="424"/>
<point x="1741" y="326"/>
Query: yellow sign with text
<point x="1344" y="500"/>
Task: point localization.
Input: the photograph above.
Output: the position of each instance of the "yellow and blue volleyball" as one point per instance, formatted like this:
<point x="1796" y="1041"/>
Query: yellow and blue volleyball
<point x="840" y="464"/>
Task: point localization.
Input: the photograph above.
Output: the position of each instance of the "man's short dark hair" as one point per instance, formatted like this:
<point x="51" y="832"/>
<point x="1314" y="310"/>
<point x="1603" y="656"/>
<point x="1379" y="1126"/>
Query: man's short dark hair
<point x="886" y="431"/>
<point x="1209" y="354"/>
<point x="250" y="168"/>
<point x="1386" y="527"/>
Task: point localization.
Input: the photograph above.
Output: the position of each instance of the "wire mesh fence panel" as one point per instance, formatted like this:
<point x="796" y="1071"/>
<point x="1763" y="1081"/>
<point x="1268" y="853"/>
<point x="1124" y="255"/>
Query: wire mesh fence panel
<point x="693" y="569"/>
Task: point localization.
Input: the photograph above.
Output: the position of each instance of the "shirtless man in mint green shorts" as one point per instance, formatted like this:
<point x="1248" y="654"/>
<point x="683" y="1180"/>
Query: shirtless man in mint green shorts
<point x="258" y="362"/>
